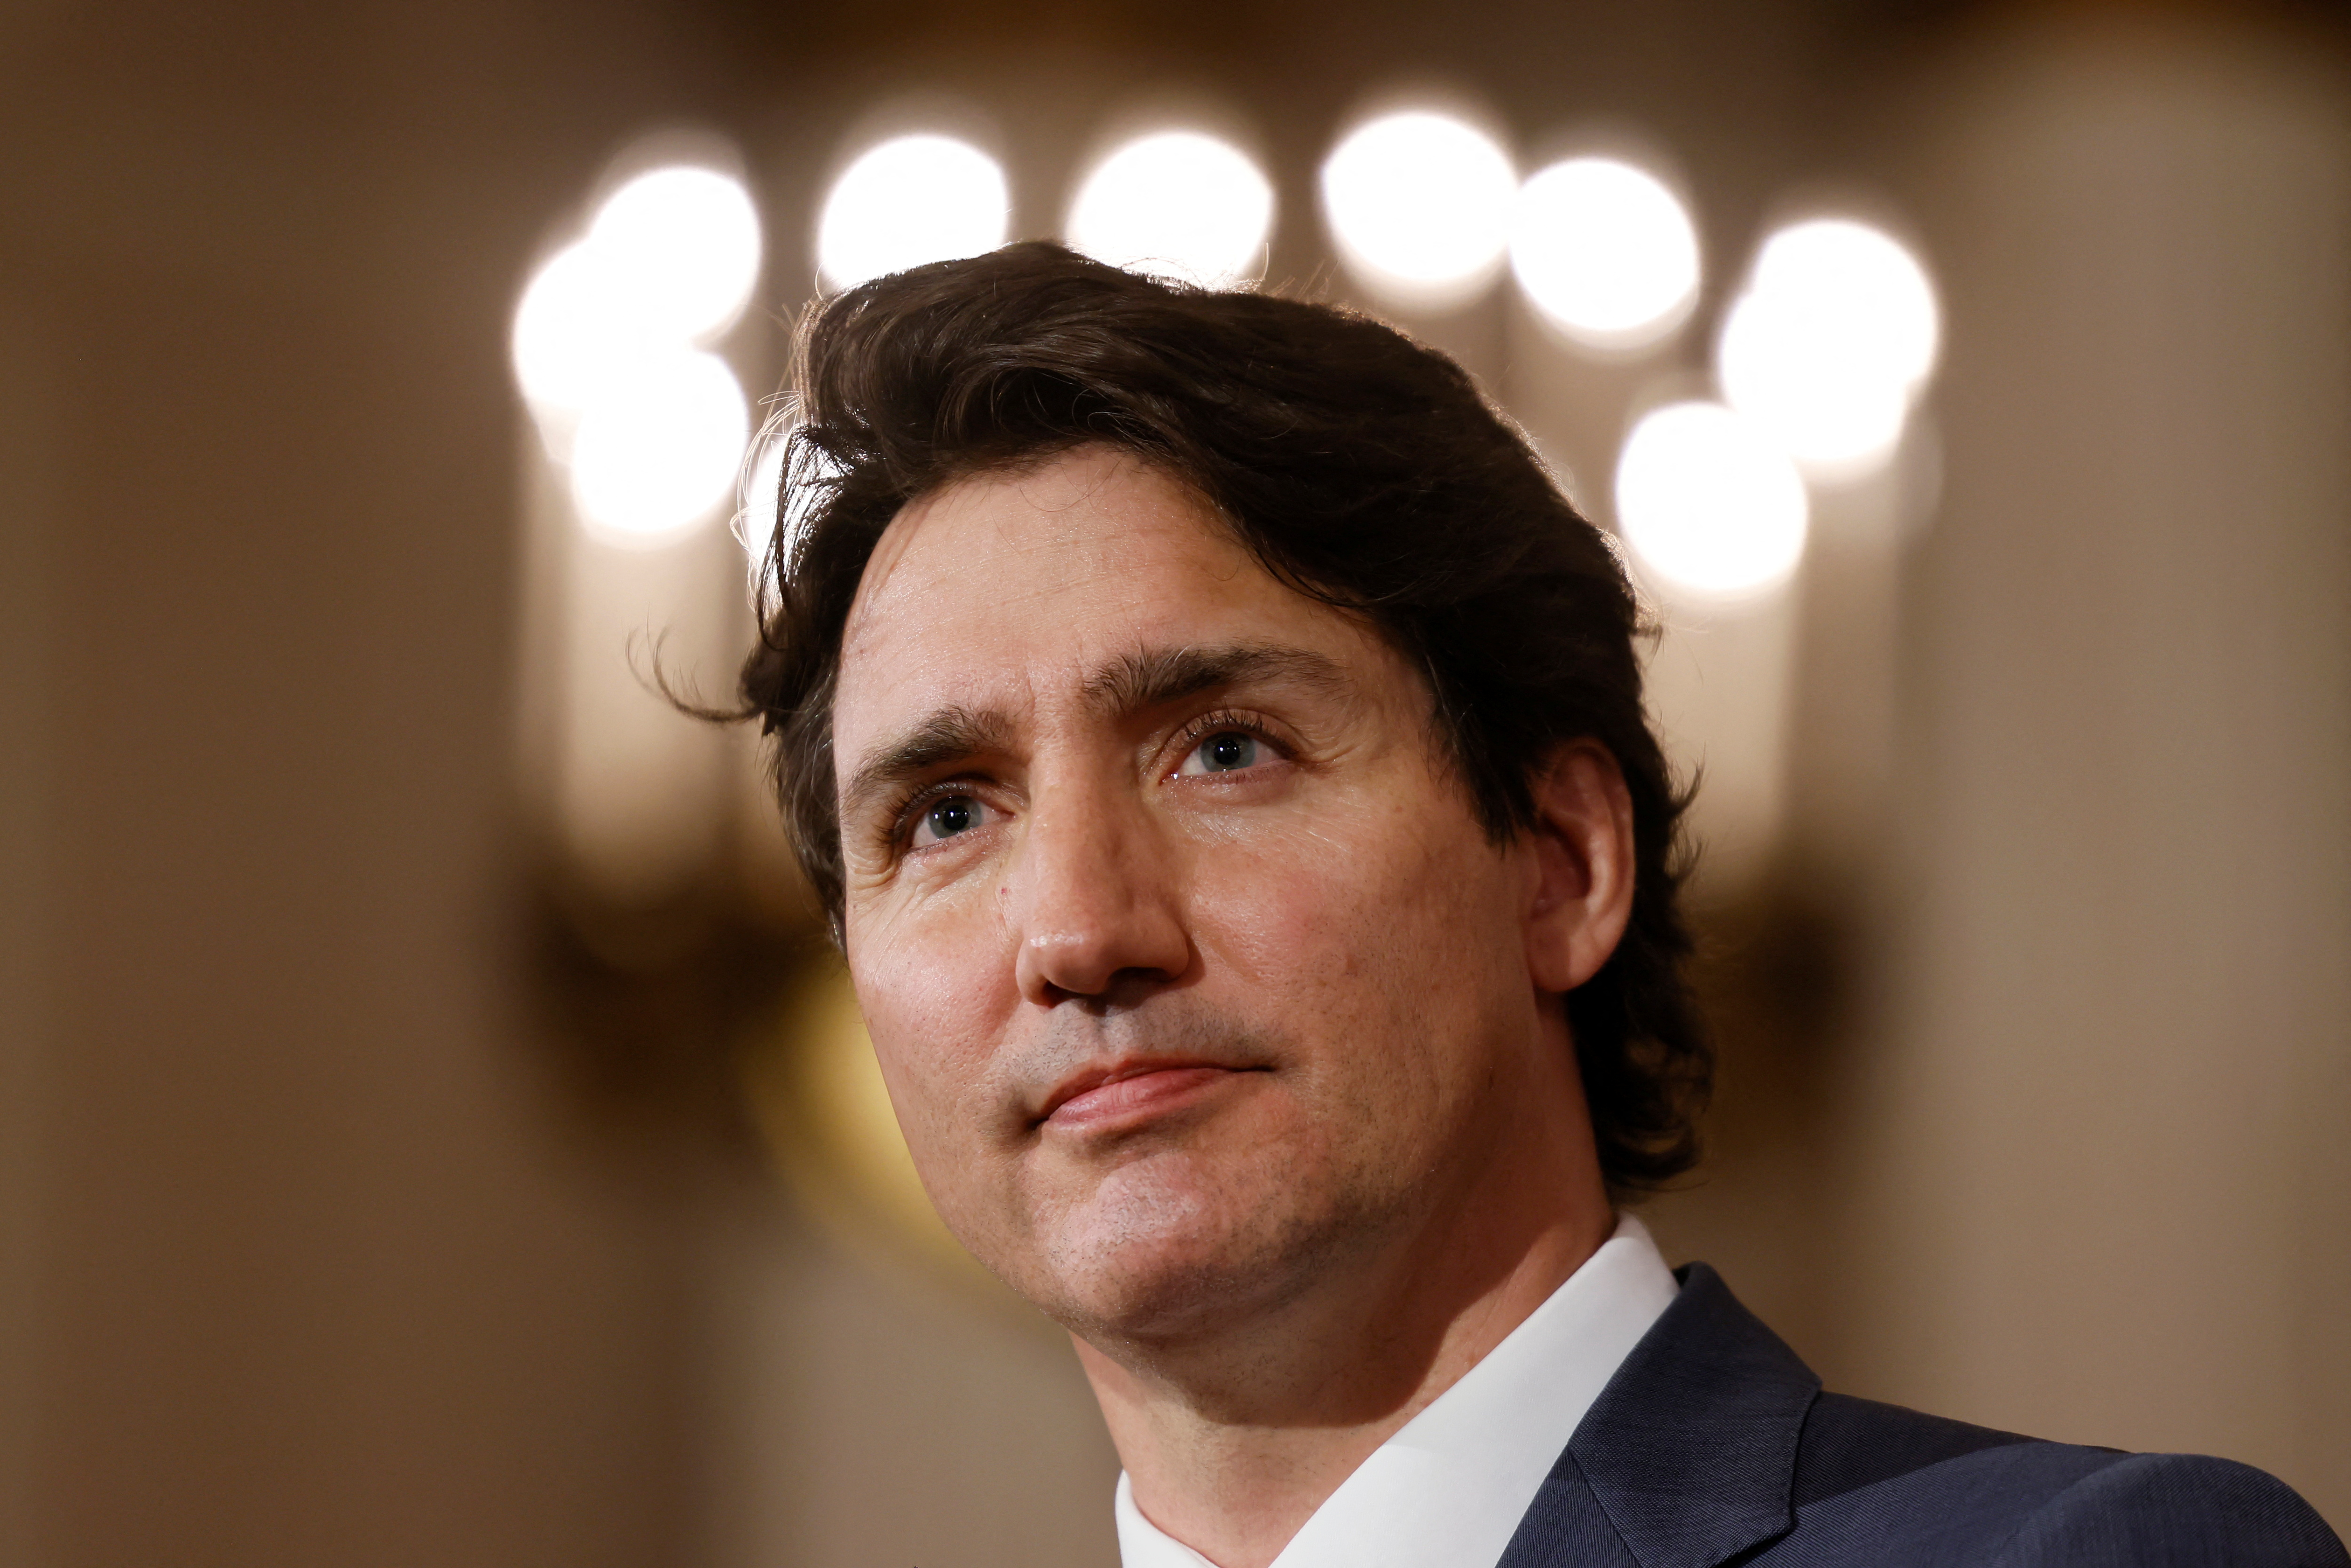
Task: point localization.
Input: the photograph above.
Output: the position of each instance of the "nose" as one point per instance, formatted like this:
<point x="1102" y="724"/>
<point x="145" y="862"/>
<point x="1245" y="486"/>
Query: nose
<point x="1090" y="896"/>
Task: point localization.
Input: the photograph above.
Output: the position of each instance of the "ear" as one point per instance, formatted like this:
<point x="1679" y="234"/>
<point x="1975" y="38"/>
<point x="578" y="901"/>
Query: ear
<point x="1581" y="842"/>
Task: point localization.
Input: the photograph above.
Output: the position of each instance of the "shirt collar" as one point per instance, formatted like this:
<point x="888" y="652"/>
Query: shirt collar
<point x="1449" y="1486"/>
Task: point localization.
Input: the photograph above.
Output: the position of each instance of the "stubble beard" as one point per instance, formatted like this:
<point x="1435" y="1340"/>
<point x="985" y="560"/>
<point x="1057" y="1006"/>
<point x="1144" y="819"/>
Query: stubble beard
<point x="1187" y="1232"/>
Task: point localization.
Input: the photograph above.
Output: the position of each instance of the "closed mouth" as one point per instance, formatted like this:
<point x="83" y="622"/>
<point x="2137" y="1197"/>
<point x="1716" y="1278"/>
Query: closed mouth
<point x="1121" y="1091"/>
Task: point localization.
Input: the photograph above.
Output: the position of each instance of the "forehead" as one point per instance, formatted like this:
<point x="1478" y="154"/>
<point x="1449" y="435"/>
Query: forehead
<point x="1002" y="590"/>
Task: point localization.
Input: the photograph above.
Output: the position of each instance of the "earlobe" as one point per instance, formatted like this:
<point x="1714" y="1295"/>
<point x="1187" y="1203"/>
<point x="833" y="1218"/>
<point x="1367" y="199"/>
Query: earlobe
<point x="1582" y="840"/>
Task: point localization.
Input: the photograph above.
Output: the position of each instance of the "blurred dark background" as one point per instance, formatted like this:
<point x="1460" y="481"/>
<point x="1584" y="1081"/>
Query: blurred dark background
<point x="389" y="1173"/>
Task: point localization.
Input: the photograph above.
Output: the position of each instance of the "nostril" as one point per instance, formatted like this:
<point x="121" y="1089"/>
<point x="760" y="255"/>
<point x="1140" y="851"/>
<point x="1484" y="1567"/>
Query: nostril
<point x="1131" y="985"/>
<point x="1091" y="928"/>
<point x="1122" y="988"/>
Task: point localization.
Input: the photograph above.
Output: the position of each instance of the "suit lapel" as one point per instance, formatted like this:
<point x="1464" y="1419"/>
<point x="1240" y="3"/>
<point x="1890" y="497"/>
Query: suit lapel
<point x="1688" y="1456"/>
<point x="1566" y="1527"/>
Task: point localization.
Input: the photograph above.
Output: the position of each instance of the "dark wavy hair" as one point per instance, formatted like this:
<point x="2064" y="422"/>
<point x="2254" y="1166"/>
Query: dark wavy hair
<point x="1359" y="467"/>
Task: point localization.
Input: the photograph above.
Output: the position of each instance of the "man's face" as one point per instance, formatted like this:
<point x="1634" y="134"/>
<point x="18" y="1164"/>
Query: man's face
<point x="1189" y="967"/>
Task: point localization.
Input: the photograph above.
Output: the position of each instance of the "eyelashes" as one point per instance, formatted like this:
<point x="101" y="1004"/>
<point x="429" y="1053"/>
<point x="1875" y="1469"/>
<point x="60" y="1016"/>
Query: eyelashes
<point x="1226" y="721"/>
<point x="899" y="835"/>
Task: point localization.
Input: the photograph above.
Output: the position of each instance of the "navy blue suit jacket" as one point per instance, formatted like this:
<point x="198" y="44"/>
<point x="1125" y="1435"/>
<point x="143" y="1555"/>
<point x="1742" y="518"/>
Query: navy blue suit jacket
<point x="1714" y="1445"/>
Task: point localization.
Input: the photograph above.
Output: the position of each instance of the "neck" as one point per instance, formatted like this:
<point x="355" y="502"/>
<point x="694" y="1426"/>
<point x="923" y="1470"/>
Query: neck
<point x="1231" y="1438"/>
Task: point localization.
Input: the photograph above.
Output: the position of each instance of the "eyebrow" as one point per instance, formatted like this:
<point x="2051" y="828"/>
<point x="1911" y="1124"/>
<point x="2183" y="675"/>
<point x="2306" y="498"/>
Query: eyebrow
<point x="947" y="735"/>
<point x="1129" y="684"/>
<point x="1153" y="679"/>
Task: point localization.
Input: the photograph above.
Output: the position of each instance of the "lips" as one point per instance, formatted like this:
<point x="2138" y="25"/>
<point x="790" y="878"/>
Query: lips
<point x="1127" y="1092"/>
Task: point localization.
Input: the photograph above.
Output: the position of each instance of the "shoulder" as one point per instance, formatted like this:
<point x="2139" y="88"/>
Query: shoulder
<point x="1879" y="1483"/>
<point x="2182" y="1509"/>
<point x="1713" y="1444"/>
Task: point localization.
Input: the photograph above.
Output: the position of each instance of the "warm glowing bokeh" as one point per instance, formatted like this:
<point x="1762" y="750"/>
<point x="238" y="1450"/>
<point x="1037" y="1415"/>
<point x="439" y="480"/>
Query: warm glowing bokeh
<point x="1418" y="203"/>
<point x="1710" y="507"/>
<point x="1605" y="252"/>
<point x="910" y="200"/>
<point x="656" y="453"/>
<point x="607" y="347"/>
<point x="1830" y="342"/>
<point x="684" y="246"/>
<point x="573" y="329"/>
<point x="1180" y="204"/>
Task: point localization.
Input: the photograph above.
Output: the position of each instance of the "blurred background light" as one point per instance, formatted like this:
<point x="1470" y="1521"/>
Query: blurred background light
<point x="907" y="201"/>
<point x="1605" y="251"/>
<point x="575" y="328"/>
<point x="659" y="450"/>
<point x="1830" y="342"/>
<point x="683" y="243"/>
<point x="1710" y="505"/>
<point x="1419" y="205"/>
<point x="605" y="331"/>
<point x="1179" y="205"/>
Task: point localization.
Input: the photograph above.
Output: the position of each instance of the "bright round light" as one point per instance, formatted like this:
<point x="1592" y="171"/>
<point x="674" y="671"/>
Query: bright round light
<point x="576" y="328"/>
<point x="672" y="256"/>
<point x="1419" y="203"/>
<point x="1828" y="413"/>
<point x="1177" y="205"/>
<point x="1865" y="281"/>
<point x="684" y="245"/>
<point x="1709" y="503"/>
<point x="658" y="451"/>
<point x="910" y="200"/>
<point x="1605" y="252"/>
<point x="1831" y="342"/>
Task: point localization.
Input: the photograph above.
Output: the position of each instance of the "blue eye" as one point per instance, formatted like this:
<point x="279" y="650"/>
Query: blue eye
<point x="1227" y="751"/>
<point x="946" y="817"/>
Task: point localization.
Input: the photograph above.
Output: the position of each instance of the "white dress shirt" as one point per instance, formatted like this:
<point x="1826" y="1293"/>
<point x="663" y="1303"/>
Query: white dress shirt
<point x="1448" y="1489"/>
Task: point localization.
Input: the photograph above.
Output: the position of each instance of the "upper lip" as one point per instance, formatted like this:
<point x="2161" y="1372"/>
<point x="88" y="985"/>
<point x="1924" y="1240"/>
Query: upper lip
<point x="1089" y="1078"/>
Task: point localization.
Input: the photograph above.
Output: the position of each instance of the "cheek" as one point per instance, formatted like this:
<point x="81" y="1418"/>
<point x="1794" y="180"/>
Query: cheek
<point x="934" y="1013"/>
<point x="1383" y="891"/>
<point x="1383" y="929"/>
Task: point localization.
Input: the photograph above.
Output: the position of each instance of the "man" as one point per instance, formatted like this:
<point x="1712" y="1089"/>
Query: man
<point x="1220" y="749"/>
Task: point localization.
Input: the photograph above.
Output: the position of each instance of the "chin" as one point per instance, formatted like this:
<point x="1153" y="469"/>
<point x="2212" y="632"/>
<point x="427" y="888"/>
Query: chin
<point x="1149" y="1256"/>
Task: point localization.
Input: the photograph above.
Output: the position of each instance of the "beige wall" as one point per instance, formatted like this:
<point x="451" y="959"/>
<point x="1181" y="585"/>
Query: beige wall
<point x="2100" y="1175"/>
<point x="27" y="1029"/>
<point x="298" y="1262"/>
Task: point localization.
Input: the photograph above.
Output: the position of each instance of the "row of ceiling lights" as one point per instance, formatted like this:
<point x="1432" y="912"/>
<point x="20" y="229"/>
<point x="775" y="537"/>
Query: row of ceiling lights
<point x="1820" y="356"/>
<point x="1424" y="209"/>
